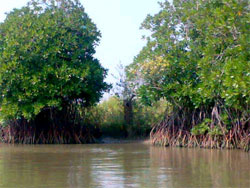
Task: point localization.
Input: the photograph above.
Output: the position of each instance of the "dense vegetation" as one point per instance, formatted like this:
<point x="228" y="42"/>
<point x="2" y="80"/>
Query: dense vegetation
<point x="197" y="58"/>
<point x="190" y="82"/>
<point x="109" y="116"/>
<point x="48" y="72"/>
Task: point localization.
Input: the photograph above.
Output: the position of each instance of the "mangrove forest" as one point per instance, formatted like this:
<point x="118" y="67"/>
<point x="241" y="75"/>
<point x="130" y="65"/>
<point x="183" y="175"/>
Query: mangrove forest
<point x="187" y="87"/>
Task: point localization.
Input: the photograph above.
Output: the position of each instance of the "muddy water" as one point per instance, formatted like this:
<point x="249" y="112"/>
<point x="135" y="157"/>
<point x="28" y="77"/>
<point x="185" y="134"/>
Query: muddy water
<point x="121" y="165"/>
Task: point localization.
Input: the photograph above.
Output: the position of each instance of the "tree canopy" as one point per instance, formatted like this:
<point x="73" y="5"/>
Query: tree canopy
<point x="46" y="58"/>
<point x="197" y="54"/>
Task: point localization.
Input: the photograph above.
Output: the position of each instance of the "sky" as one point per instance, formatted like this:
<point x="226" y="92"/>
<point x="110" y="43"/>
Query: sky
<point x="119" y="22"/>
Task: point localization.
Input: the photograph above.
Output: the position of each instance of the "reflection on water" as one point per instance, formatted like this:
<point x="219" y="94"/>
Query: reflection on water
<point x="121" y="165"/>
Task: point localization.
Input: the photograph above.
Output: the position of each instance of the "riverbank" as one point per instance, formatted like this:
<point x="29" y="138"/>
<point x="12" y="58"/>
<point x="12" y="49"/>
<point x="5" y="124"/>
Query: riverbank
<point x="161" y="137"/>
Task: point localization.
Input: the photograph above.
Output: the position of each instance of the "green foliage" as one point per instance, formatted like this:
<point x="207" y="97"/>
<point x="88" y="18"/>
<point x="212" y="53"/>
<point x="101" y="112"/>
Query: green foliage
<point x="111" y="111"/>
<point x="216" y="130"/>
<point x="150" y="114"/>
<point x="201" y="128"/>
<point x="204" y="128"/>
<point x="46" y="59"/>
<point x="197" y="54"/>
<point x="2" y="122"/>
<point x="109" y="116"/>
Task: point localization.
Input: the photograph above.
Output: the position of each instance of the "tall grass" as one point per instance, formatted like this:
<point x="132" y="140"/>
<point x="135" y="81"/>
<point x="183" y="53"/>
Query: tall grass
<point x="109" y="116"/>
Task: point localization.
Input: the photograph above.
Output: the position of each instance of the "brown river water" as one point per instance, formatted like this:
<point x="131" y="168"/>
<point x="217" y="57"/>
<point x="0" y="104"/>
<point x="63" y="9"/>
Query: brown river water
<point x="121" y="165"/>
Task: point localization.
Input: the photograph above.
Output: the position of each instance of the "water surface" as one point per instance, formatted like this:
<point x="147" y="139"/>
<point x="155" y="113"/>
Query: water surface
<point x="121" y="165"/>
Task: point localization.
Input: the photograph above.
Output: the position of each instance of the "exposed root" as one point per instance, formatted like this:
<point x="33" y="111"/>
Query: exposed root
<point x="49" y="128"/>
<point x="56" y="136"/>
<point x="175" y="130"/>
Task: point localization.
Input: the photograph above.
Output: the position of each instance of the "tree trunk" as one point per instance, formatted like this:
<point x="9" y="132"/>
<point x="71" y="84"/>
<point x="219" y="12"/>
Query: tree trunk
<point x="128" y="112"/>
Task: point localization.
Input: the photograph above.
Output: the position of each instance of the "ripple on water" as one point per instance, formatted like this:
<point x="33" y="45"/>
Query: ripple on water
<point x="121" y="165"/>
